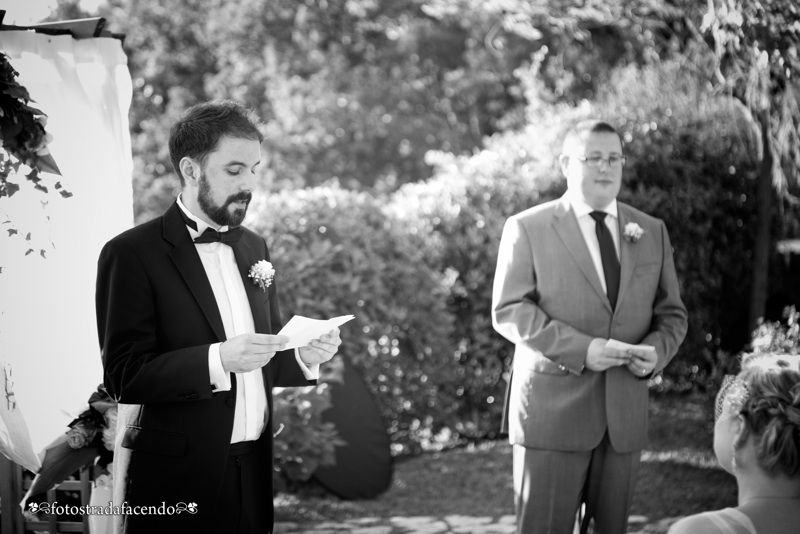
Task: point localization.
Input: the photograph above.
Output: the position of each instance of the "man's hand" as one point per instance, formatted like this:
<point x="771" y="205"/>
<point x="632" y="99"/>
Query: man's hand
<point x="599" y="357"/>
<point x="247" y="352"/>
<point x="642" y="363"/>
<point x="322" y="349"/>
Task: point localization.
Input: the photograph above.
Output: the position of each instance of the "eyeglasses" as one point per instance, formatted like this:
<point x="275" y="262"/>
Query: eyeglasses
<point x="614" y="161"/>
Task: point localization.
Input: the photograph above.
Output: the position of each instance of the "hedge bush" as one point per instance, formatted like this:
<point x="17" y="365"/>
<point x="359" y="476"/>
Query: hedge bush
<point x="335" y="252"/>
<point x="416" y="266"/>
<point x="303" y="441"/>
<point x="461" y="213"/>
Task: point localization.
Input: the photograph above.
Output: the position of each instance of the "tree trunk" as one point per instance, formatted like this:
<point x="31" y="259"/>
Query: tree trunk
<point x="762" y="245"/>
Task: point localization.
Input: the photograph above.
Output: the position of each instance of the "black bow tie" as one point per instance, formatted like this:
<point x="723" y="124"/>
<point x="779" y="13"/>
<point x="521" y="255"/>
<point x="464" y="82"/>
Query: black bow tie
<point x="230" y="238"/>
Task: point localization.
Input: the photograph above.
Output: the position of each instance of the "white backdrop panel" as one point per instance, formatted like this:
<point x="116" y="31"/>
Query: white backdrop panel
<point x="47" y="319"/>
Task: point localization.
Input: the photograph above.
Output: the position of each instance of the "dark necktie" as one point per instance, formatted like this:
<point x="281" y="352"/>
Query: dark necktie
<point x="608" y="255"/>
<point x="230" y="238"/>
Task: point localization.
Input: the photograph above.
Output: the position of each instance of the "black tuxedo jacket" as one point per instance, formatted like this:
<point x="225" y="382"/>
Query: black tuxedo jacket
<point x="156" y="317"/>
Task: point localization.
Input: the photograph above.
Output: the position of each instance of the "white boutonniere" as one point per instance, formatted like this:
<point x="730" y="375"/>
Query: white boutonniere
<point x="262" y="273"/>
<point x="633" y="232"/>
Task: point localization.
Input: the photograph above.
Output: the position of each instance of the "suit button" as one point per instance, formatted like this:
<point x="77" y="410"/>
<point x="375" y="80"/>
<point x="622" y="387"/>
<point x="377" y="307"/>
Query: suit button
<point x="230" y="403"/>
<point x="562" y="367"/>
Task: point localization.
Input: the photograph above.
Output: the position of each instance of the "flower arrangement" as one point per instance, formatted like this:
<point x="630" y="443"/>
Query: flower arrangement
<point x="633" y="232"/>
<point x="96" y="426"/>
<point x="262" y="273"/>
<point x="88" y="440"/>
<point x="23" y="135"/>
<point x="24" y="143"/>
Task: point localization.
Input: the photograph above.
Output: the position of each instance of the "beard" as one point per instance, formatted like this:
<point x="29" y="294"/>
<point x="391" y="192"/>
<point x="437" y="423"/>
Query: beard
<point x="220" y="213"/>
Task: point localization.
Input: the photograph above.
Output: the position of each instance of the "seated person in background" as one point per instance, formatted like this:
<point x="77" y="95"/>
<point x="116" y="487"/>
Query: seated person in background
<point x="757" y="440"/>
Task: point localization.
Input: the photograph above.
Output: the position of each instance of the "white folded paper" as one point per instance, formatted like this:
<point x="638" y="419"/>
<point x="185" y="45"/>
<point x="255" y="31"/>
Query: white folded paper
<point x="622" y="346"/>
<point x="301" y="330"/>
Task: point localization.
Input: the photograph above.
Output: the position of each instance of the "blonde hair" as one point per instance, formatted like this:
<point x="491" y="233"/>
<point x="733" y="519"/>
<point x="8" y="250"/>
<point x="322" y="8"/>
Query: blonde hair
<point x="772" y="410"/>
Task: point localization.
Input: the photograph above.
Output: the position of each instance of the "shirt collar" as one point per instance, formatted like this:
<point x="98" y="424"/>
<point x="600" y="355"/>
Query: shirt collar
<point x="581" y="208"/>
<point x="202" y="226"/>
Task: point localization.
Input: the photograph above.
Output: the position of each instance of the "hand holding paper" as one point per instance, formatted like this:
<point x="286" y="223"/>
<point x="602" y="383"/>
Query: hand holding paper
<point x="643" y="358"/>
<point x="302" y="330"/>
<point x="624" y="347"/>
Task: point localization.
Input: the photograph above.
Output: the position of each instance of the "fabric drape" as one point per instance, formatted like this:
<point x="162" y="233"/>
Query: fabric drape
<point x="47" y="323"/>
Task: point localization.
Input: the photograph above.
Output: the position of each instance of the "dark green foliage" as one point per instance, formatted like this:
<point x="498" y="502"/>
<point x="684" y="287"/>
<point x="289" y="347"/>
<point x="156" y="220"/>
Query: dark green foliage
<point x="303" y="441"/>
<point x="417" y="266"/>
<point x="361" y="90"/>
<point x="387" y="93"/>
<point x="336" y="253"/>
<point x="461" y="213"/>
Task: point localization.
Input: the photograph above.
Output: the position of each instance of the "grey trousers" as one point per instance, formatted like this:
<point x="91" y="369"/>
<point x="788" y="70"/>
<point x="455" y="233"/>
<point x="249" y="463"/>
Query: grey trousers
<point x="550" y="487"/>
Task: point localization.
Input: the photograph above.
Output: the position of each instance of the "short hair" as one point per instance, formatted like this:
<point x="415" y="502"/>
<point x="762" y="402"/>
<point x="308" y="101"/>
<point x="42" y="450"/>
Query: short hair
<point x="581" y="131"/>
<point x="198" y="131"/>
<point x="772" y="410"/>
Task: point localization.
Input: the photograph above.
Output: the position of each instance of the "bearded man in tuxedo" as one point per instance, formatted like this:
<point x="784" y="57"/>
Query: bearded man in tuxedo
<point x="573" y="274"/>
<point x="190" y="346"/>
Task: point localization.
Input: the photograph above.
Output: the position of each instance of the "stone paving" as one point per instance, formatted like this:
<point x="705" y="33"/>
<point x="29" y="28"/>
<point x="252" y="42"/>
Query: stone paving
<point x="450" y="524"/>
<point x="397" y="525"/>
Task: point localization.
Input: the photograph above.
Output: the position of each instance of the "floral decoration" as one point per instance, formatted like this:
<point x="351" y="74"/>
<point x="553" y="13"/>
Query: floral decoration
<point x="98" y="423"/>
<point x="24" y="143"/>
<point x="88" y="440"/>
<point x="262" y="274"/>
<point x="733" y="393"/>
<point x="633" y="232"/>
<point x="23" y="135"/>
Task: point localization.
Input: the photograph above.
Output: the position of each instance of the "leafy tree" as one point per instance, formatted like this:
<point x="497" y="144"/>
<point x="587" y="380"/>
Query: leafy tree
<point x="755" y="60"/>
<point x="361" y="90"/>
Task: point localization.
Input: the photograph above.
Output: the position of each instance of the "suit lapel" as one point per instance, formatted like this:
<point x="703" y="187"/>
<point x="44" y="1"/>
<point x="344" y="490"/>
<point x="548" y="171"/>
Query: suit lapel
<point x="246" y="256"/>
<point x="566" y="226"/>
<point x="184" y="255"/>
<point x="628" y="252"/>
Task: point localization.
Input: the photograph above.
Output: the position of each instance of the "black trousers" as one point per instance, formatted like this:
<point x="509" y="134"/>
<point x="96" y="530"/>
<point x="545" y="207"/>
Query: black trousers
<point x="245" y="505"/>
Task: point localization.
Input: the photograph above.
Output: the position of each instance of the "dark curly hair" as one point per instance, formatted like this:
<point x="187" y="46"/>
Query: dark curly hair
<point x="772" y="410"/>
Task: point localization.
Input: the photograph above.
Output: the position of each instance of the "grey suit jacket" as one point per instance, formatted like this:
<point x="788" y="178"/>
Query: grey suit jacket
<point x="548" y="301"/>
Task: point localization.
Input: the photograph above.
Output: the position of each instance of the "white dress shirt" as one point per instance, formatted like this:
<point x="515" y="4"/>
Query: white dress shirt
<point x="219" y="262"/>
<point x="587" y="225"/>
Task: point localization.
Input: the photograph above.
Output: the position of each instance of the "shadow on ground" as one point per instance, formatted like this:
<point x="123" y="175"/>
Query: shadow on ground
<point x="469" y="489"/>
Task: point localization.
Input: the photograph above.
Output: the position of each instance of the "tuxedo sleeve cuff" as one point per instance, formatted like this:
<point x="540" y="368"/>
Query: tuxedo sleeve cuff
<point x="220" y="380"/>
<point x="311" y="372"/>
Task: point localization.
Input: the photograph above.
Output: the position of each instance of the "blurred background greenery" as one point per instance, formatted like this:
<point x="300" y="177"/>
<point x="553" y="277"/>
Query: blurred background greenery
<point x="402" y="134"/>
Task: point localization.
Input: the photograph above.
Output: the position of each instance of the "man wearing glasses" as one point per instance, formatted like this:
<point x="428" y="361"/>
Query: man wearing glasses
<point x="586" y="289"/>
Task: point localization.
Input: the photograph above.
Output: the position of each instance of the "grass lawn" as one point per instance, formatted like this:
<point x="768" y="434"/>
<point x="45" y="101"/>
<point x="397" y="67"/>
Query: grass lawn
<point x="679" y="476"/>
<point x="679" y="473"/>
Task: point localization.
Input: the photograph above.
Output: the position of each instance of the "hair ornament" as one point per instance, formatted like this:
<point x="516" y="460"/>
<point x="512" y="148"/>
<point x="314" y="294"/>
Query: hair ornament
<point x="733" y="393"/>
